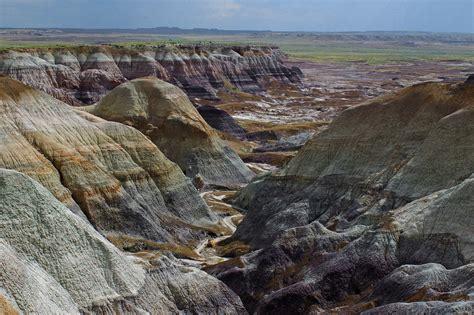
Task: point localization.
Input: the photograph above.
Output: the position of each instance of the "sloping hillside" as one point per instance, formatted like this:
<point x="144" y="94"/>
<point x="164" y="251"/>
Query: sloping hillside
<point x="388" y="185"/>
<point x="106" y="172"/>
<point x="54" y="262"/>
<point x="164" y="113"/>
<point x="82" y="75"/>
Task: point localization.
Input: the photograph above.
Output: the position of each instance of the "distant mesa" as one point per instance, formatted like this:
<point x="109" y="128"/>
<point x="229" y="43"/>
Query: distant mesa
<point x="83" y="75"/>
<point x="152" y="30"/>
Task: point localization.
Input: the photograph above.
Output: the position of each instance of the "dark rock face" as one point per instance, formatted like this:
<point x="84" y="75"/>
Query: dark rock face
<point x="263" y="135"/>
<point x="388" y="185"/>
<point x="432" y="281"/>
<point x="470" y="79"/>
<point x="291" y="143"/>
<point x="221" y="120"/>
<point x="83" y="75"/>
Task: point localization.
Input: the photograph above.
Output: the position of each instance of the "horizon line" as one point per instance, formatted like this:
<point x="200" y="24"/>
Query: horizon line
<point x="227" y="30"/>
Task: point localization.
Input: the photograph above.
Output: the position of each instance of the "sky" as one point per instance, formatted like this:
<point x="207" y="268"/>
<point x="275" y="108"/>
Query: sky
<point x="276" y="15"/>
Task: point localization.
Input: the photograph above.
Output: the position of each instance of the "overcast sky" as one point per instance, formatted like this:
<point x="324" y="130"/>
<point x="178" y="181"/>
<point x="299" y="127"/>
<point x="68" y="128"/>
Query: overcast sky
<point x="285" y="15"/>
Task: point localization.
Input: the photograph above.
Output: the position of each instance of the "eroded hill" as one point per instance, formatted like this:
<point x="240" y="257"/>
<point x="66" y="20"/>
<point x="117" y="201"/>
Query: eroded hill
<point x="106" y="172"/>
<point x="164" y="113"/>
<point x="54" y="262"/>
<point x="377" y="209"/>
<point x="82" y="75"/>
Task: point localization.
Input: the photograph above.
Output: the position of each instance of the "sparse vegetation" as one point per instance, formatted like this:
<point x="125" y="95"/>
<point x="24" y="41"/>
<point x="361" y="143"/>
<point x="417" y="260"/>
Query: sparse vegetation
<point x="20" y="45"/>
<point x="370" y="48"/>
<point x="287" y="129"/>
<point x="233" y="249"/>
<point x="138" y="245"/>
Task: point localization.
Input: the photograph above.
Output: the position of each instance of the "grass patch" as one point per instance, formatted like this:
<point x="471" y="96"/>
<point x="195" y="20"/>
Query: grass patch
<point x="278" y="159"/>
<point x="234" y="249"/>
<point x="13" y="45"/>
<point x="136" y="245"/>
<point x="370" y="49"/>
<point x="287" y="129"/>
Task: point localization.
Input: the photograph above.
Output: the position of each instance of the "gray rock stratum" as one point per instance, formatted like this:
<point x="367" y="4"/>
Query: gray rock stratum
<point x="54" y="262"/>
<point x="108" y="173"/>
<point x="376" y="212"/>
<point x="82" y="75"/>
<point x="164" y="113"/>
<point x="221" y="120"/>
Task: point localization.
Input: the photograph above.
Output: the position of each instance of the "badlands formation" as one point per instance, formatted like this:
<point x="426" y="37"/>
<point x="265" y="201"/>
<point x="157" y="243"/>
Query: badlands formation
<point x="375" y="213"/>
<point x="101" y="214"/>
<point x="85" y="185"/>
<point x="164" y="113"/>
<point x="54" y="262"/>
<point x="105" y="172"/>
<point x="83" y="75"/>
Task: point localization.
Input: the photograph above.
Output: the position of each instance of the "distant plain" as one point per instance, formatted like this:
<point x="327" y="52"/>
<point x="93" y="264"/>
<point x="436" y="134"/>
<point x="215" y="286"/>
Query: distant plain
<point x="365" y="47"/>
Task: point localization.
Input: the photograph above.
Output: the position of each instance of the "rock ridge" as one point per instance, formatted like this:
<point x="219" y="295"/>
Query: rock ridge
<point x="54" y="262"/>
<point x="82" y="75"/>
<point x="164" y="113"/>
<point x="107" y="173"/>
<point x="384" y="191"/>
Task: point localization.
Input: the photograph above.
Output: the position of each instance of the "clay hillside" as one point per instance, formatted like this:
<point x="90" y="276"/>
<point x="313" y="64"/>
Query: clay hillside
<point x="375" y="211"/>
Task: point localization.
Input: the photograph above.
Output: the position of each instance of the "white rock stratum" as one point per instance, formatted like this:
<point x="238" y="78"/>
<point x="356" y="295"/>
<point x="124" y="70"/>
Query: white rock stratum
<point x="54" y="262"/>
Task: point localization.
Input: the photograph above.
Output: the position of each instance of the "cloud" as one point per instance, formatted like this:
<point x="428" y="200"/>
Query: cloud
<point x="284" y="15"/>
<point x="24" y="2"/>
<point x="222" y="9"/>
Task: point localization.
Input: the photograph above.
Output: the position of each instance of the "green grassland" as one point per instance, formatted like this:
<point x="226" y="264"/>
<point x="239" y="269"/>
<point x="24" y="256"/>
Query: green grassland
<point x="321" y="48"/>
<point x="370" y="51"/>
<point x="376" y="55"/>
<point x="5" y="44"/>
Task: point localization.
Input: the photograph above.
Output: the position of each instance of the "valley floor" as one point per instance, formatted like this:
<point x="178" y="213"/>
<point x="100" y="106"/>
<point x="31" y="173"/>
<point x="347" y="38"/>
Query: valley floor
<point x="285" y="113"/>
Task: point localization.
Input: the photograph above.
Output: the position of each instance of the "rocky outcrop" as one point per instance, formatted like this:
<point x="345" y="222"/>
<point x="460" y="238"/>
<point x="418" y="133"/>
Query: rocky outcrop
<point x="221" y="120"/>
<point x="108" y="173"/>
<point x="291" y="143"/>
<point x="53" y="262"/>
<point x="393" y="151"/>
<point x="429" y="282"/>
<point x="470" y="79"/>
<point x="82" y="75"/>
<point x="69" y="260"/>
<point x="388" y="185"/>
<point x="164" y="113"/>
<point x="435" y="308"/>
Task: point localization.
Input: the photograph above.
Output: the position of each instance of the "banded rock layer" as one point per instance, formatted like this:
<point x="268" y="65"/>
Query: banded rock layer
<point x="164" y="113"/>
<point x="221" y="120"/>
<point x="108" y="173"/>
<point x="388" y="185"/>
<point x="83" y="75"/>
<point x="53" y="262"/>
